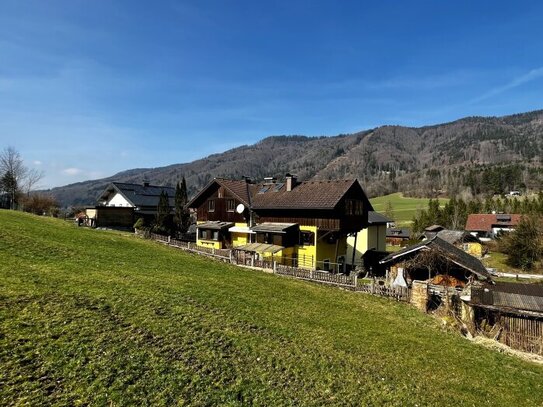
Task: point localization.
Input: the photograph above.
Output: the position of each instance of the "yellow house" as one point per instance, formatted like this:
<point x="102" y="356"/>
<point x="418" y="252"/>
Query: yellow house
<point x="303" y="224"/>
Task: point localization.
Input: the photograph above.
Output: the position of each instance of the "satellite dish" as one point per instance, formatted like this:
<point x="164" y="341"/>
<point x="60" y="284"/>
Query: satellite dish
<point x="240" y="208"/>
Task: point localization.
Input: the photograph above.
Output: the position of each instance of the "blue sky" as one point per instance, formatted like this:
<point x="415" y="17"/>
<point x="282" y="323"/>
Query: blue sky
<point x="90" y="88"/>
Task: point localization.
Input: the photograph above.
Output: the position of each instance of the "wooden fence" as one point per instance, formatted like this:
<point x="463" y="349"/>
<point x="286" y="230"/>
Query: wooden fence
<point x="398" y="293"/>
<point x="318" y="276"/>
<point x="343" y="280"/>
<point x="522" y="333"/>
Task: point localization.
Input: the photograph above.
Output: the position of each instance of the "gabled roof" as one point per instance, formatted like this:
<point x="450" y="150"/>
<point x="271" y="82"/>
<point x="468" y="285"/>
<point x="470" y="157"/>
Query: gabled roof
<point x="139" y="195"/>
<point x="479" y="222"/>
<point x="452" y="236"/>
<point x="240" y="189"/>
<point x="306" y="195"/>
<point x="449" y="251"/>
<point x="375" y="218"/>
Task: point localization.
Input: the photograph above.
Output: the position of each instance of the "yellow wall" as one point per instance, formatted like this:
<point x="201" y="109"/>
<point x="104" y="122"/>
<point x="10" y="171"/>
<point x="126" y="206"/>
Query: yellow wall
<point x="207" y="243"/>
<point x="475" y="249"/>
<point x="374" y="237"/>
<point x="307" y="254"/>
<point x="239" y="239"/>
<point x="327" y="250"/>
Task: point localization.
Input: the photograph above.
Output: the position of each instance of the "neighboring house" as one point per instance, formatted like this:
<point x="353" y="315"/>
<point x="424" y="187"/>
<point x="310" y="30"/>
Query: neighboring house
<point x="371" y="238"/>
<point x="459" y="238"/>
<point x="121" y="204"/>
<point x="398" y="236"/>
<point x="435" y="260"/>
<point x="487" y="226"/>
<point x="298" y="223"/>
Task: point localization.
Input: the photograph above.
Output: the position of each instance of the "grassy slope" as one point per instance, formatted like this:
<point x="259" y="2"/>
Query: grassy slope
<point x="97" y="317"/>
<point x="404" y="208"/>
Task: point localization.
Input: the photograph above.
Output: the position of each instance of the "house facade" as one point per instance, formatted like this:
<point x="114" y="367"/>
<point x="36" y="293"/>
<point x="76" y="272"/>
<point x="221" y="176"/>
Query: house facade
<point x="296" y="223"/>
<point x="488" y="226"/>
<point x="121" y="204"/>
<point x="398" y="236"/>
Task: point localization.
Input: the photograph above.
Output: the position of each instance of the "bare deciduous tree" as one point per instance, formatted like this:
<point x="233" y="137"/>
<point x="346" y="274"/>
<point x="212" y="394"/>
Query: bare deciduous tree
<point x="15" y="177"/>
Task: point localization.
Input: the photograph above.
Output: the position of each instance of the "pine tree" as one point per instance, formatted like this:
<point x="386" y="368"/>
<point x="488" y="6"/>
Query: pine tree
<point x="8" y="183"/>
<point x="182" y="215"/>
<point x="163" y="223"/>
<point x="524" y="246"/>
<point x="185" y="214"/>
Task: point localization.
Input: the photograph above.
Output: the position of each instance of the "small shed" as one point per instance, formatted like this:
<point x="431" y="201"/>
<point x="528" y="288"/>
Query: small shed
<point x="436" y="257"/>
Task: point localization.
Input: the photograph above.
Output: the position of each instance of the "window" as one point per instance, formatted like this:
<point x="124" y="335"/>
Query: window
<point x="205" y="234"/>
<point x="211" y="205"/>
<point x="230" y="205"/>
<point x="307" y="238"/>
<point x="353" y="207"/>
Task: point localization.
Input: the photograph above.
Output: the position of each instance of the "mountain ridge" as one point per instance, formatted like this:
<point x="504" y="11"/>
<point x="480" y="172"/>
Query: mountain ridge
<point x="452" y="158"/>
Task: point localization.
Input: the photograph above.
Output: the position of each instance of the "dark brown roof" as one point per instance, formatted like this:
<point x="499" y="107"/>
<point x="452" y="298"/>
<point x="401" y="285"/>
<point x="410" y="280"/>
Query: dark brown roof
<point x="305" y="195"/>
<point x="239" y="188"/>
<point x="478" y="222"/>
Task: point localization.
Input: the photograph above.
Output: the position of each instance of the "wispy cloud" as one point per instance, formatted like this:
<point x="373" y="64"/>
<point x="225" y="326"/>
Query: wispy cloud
<point x="72" y="171"/>
<point x="516" y="82"/>
<point x="37" y="162"/>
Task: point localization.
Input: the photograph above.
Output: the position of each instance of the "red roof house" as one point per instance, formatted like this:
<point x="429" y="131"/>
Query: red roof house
<point x="489" y="225"/>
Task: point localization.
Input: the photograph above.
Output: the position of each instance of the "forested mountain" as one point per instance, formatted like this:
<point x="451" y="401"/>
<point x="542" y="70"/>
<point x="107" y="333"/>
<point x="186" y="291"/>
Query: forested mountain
<point x="470" y="156"/>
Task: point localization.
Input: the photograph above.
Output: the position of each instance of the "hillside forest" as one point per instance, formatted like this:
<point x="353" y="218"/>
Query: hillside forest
<point x="474" y="157"/>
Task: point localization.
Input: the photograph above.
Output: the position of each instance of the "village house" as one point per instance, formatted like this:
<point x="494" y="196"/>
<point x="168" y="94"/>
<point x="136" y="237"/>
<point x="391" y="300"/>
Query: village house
<point x="398" y="236"/>
<point x="488" y="226"/>
<point x="305" y="224"/>
<point x="121" y="204"/>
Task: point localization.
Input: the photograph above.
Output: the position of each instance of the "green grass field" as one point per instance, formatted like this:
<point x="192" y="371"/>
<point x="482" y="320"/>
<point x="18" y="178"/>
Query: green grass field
<point x="404" y="208"/>
<point x="102" y="318"/>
